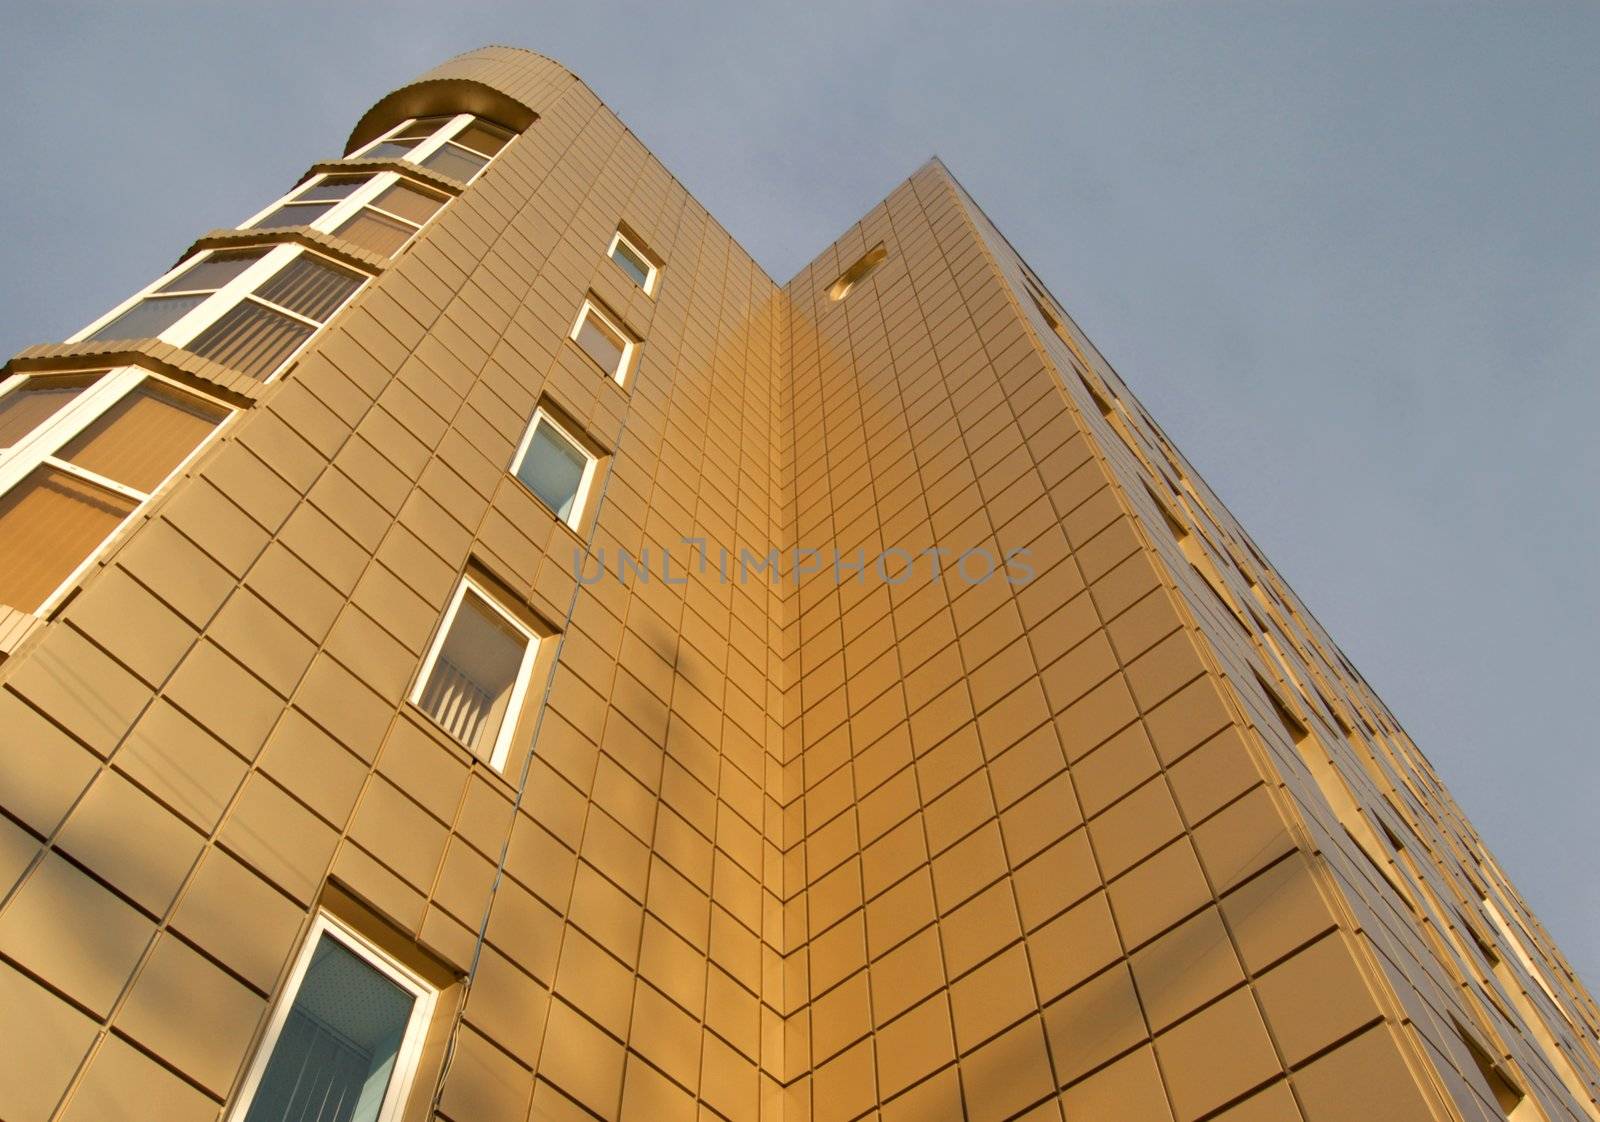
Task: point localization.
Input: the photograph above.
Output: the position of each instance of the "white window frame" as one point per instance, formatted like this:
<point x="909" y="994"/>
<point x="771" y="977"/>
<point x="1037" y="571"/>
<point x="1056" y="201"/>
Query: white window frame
<point x="407" y="1059"/>
<point x="629" y="343"/>
<point x="37" y="449"/>
<point x="591" y="465"/>
<point x="652" y="270"/>
<point x="501" y="750"/>
<point x="425" y="148"/>
<point x="189" y="326"/>
<point x="353" y="204"/>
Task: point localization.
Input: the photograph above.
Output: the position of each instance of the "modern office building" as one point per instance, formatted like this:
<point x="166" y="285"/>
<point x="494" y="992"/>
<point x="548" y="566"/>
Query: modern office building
<point x="476" y="647"/>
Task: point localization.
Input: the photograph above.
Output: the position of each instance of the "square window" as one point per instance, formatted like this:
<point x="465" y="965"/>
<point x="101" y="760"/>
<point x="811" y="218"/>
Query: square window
<point x="604" y="341"/>
<point x="633" y="261"/>
<point x="476" y="674"/>
<point x="348" y="1031"/>
<point x="556" y="467"/>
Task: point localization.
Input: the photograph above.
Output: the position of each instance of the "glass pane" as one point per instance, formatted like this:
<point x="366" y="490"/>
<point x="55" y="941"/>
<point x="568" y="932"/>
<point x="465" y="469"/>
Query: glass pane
<point x="409" y="202"/>
<point x="35" y="402"/>
<point x="601" y="343"/>
<point x="424" y="127"/>
<point x="336" y="1053"/>
<point x="49" y="523"/>
<point x="213" y="272"/>
<point x="389" y="150"/>
<point x="310" y="286"/>
<point x="252" y="339"/>
<point x="458" y="163"/>
<point x="332" y="187"/>
<point x="141" y="439"/>
<point x="469" y="684"/>
<point x="632" y="264"/>
<point x="553" y="468"/>
<point x="377" y="232"/>
<point x="293" y="214"/>
<point x="148" y="318"/>
<point x="482" y="137"/>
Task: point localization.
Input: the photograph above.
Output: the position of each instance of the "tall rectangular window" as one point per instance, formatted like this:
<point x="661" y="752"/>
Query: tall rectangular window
<point x="344" y="1042"/>
<point x="79" y="454"/>
<point x="476" y="674"/>
<point x="556" y="467"/>
<point x="603" y="340"/>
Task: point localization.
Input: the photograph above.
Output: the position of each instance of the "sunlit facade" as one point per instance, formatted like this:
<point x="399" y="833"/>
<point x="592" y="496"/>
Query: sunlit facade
<point x="476" y="647"/>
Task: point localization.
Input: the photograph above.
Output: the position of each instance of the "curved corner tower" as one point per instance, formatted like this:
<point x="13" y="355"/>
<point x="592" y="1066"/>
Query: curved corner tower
<point x="475" y="647"/>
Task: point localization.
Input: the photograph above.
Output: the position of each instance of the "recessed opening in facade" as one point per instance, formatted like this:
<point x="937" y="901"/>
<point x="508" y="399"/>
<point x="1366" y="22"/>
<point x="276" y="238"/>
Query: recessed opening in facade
<point x="1515" y="1105"/>
<point x="858" y="272"/>
<point x="627" y="249"/>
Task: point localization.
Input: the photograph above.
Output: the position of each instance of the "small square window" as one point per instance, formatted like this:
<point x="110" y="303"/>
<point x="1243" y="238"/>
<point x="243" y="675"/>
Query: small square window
<point x="634" y="261"/>
<point x="349" y="1031"/>
<point x="603" y="341"/>
<point x="476" y="675"/>
<point x="556" y="467"/>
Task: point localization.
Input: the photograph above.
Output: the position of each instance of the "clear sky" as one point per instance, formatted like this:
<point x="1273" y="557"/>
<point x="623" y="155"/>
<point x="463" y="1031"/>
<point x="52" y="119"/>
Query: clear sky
<point x="1347" y="254"/>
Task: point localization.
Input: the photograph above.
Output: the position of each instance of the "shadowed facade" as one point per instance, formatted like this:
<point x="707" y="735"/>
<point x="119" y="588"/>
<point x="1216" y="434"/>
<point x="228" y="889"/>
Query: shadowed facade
<point x="473" y="649"/>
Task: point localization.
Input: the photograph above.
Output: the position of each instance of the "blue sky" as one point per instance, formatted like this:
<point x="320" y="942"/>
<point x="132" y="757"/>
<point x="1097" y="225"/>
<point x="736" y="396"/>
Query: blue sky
<point x="1347" y="255"/>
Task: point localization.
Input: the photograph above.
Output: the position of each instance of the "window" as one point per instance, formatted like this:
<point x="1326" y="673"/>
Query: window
<point x="633" y="261"/>
<point x="459" y="147"/>
<point x="856" y="273"/>
<point x="344" y="1042"/>
<point x="476" y="674"/>
<point x="170" y="302"/>
<point x="82" y="453"/>
<point x="604" y="341"/>
<point x="556" y="467"/>
<point x="387" y="223"/>
<point x="378" y="212"/>
<point x="250" y="310"/>
<point x="309" y="203"/>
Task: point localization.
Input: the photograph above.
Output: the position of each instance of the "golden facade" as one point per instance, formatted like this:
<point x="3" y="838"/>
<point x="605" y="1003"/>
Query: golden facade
<point x="476" y="647"/>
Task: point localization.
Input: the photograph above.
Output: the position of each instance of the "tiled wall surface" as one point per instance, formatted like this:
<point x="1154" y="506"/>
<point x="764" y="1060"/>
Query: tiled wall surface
<point x="826" y="849"/>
